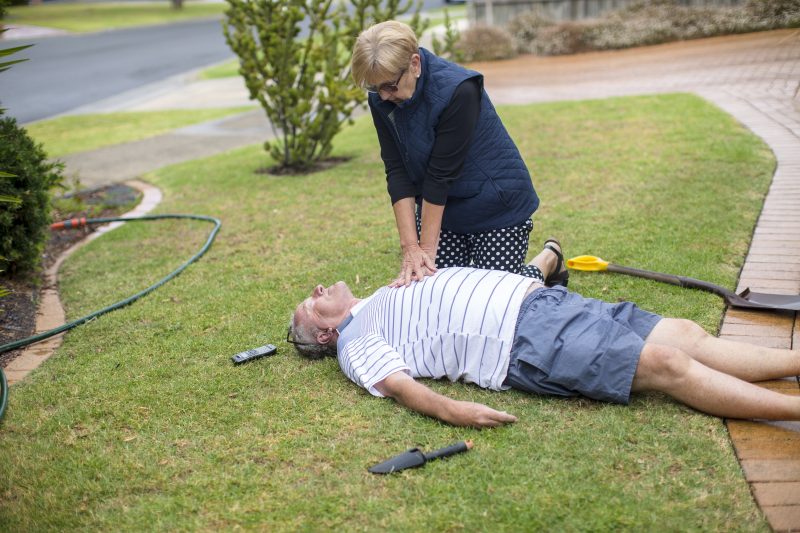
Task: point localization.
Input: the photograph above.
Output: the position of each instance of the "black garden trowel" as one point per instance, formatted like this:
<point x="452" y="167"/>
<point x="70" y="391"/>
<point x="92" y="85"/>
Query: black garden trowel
<point x="747" y="298"/>
<point x="415" y="457"/>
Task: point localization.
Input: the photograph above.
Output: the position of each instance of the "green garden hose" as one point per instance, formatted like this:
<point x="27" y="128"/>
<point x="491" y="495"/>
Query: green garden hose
<point x="82" y="222"/>
<point x="3" y="393"/>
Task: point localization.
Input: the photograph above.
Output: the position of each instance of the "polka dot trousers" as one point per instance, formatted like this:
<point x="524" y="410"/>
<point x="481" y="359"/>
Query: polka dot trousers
<point x="499" y="249"/>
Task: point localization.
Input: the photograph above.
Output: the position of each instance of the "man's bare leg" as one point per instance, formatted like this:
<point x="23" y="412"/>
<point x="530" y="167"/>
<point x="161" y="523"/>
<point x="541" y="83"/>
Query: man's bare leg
<point x="745" y="361"/>
<point x="670" y="370"/>
<point x="707" y="373"/>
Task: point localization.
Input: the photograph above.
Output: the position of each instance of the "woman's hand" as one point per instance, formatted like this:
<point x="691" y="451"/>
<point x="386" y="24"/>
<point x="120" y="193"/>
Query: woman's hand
<point x="418" y="262"/>
<point x="419" y="251"/>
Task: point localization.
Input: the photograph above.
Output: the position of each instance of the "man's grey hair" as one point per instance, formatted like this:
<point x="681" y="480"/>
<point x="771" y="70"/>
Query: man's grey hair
<point x="307" y="335"/>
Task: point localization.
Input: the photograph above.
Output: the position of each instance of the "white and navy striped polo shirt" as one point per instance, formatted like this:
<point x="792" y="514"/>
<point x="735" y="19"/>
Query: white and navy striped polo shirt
<point x="457" y="324"/>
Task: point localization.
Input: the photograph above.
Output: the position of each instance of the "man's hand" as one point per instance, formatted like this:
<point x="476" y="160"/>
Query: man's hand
<point x="417" y="263"/>
<point x="421" y="399"/>
<point x="477" y="415"/>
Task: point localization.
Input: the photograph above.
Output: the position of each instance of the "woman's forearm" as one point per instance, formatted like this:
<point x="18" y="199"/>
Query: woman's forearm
<point x="431" y="227"/>
<point x="418" y="261"/>
<point x="406" y="222"/>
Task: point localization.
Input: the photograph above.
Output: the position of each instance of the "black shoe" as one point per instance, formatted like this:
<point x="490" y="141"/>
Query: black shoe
<point x="561" y="274"/>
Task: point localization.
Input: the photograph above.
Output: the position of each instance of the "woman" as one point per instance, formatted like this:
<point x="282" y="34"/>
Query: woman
<point x="460" y="191"/>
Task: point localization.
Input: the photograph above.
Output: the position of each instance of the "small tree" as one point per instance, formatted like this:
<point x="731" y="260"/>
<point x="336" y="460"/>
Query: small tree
<point x="303" y="84"/>
<point x="447" y="47"/>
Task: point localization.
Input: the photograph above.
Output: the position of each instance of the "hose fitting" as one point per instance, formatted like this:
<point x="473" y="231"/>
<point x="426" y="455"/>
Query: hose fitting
<point x="69" y="224"/>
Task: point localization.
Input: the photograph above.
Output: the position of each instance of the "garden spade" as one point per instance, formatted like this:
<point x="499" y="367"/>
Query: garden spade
<point x="415" y="457"/>
<point x="746" y="298"/>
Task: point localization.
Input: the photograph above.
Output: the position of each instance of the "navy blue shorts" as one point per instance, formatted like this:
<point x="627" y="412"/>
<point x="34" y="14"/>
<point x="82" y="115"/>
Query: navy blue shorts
<point x="568" y="345"/>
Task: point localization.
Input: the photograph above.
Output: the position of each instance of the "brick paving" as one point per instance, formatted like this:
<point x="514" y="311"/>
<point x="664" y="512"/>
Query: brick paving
<point x="755" y="78"/>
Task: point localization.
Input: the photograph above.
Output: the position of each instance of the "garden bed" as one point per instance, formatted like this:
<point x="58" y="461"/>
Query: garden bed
<point x="18" y="308"/>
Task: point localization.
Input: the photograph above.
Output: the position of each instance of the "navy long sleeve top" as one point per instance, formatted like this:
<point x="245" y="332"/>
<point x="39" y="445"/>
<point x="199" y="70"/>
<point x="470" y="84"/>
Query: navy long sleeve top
<point x="454" y="133"/>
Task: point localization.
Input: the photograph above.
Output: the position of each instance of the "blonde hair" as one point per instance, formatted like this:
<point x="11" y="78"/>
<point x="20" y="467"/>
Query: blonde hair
<point x="381" y="52"/>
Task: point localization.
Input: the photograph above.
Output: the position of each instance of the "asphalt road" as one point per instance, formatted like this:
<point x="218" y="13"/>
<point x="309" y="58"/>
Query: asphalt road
<point x="66" y="72"/>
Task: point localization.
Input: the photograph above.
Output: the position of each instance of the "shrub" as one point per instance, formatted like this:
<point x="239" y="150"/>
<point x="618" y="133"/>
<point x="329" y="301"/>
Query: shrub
<point x="526" y="28"/>
<point x="653" y="22"/>
<point x="24" y="223"/>
<point x="565" y="38"/>
<point x="303" y="84"/>
<point x="777" y="13"/>
<point x="485" y="43"/>
<point x="8" y="201"/>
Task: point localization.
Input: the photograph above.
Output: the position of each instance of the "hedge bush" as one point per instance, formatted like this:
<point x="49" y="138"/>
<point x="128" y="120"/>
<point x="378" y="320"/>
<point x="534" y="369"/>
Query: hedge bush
<point x="24" y="223"/>
<point x="785" y="13"/>
<point x="526" y="29"/>
<point x="485" y="43"/>
<point x="647" y="23"/>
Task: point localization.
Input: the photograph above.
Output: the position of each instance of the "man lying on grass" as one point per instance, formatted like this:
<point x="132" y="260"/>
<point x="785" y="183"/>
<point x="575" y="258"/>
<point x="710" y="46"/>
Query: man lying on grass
<point x="501" y="330"/>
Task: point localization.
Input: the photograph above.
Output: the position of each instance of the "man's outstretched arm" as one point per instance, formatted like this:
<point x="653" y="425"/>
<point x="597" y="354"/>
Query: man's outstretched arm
<point x="417" y="397"/>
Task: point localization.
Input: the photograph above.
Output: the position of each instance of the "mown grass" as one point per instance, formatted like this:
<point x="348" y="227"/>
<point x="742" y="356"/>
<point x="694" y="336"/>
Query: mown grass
<point x="77" y="133"/>
<point x="228" y="69"/>
<point x="88" y="17"/>
<point x="140" y="421"/>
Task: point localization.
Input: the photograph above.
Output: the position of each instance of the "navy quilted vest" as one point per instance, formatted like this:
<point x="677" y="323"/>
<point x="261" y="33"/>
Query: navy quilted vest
<point x="494" y="190"/>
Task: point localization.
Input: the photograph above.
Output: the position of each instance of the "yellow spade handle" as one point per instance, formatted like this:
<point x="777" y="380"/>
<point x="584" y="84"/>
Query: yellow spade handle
<point x="588" y="263"/>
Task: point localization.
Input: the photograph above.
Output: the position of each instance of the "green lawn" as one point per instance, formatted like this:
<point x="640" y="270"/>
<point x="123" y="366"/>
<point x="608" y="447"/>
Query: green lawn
<point x="140" y="421"/>
<point x="77" y="133"/>
<point x="86" y="17"/>
<point x="227" y="69"/>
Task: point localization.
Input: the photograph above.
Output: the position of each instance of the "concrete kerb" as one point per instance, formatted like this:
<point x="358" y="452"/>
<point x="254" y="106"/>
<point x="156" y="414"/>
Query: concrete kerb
<point x="130" y="160"/>
<point x="50" y="313"/>
<point x="183" y="91"/>
<point x="17" y="32"/>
